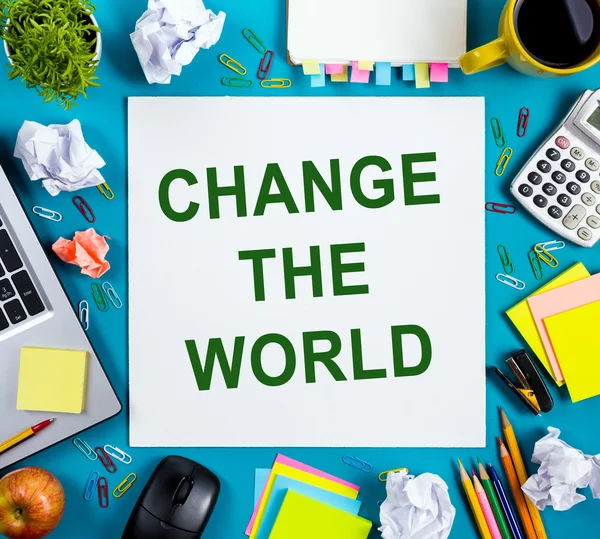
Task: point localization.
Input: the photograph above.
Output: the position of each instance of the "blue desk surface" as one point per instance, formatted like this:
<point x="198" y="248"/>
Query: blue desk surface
<point x="105" y="126"/>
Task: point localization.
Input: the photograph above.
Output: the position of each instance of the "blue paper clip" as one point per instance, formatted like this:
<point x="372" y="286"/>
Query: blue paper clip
<point x="112" y="295"/>
<point x="85" y="448"/>
<point x="510" y="281"/>
<point x="45" y="213"/>
<point x="118" y="454"/>
<point x="99" y="298"/>
<point x="84" y="314"/>
<point x="357" y="463"/>
<point x="90" y="486"/>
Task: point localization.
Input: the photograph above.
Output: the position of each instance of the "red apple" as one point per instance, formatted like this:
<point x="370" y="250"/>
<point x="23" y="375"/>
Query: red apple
<point x="32" y="502"/>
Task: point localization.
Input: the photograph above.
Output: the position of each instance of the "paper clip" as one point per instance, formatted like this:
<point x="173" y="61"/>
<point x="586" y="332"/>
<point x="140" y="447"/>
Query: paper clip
<point x="99" y="298"/>
<point x="503" y="161"/>
<point x="510" y="281"/>
<point x="523" y="122"/>
<point x="554" y="245"/>
<point x="254" y="40"/>
<point x="498" y="133"/>
<point x="497" y="207"/>
<point x="103" y="492"/>
<point x="45" y="213"/>
<point x="357" y="463"/>
<point x="265" y="65"/>
<point x="232" y="64"/>
<point x="545" y="256"/>
<point x="85" y="448"/>
<point x="84" y="209"/>
<point x="105" y="460"/>
<point x="106" y="191"/>
<point x="536" y="265"/>
<point x="112" y="295"/>
<point x="124" y="485"/>
<point x="236" y="82"/>
<point x="90" y="486"/>
<point x="118" y="454"/>
<point x="384" y="475"/>
<point x="276" y="83"/>
<point x="507" y="264"/>
<point x="84" y="314"/>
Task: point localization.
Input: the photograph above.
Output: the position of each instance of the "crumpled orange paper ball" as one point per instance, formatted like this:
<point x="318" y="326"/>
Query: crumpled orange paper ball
<point x="86" y="250"/>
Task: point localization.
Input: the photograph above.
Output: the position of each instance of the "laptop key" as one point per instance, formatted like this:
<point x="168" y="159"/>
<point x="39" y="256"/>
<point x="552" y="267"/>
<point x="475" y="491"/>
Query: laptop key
<point x="28" y="293"/>
<point x="3" y="321"/>
<point x="15" y="311"/>
<point x="2" y="272"/>
<point x="6" y="290"/>
<point x="8" y="253"/>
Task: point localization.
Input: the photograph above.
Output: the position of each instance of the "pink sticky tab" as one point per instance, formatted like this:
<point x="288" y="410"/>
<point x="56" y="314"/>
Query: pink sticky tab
<point x="359" y="75"/>
<point x="334" y="69"/>
<point x="439" y="73"/>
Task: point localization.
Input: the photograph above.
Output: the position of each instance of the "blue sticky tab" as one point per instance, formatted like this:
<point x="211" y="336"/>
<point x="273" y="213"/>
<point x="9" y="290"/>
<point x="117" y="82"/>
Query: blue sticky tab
<point x="318" y="81"/>
<point x="383" y="73"/>
<point x="408" y="72"/>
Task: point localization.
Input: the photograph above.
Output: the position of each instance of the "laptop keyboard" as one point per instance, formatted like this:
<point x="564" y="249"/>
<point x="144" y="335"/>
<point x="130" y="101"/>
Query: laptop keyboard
<point x="19" y="299"/>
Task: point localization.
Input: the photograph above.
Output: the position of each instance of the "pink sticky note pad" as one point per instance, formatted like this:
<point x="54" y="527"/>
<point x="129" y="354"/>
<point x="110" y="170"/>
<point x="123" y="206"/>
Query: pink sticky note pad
<point x="557" y="301"/>
<point x="439" y="73"/>
<point x="334" y="69"/>
<point x="359" y="75"/>
<point x="299" y="466"/>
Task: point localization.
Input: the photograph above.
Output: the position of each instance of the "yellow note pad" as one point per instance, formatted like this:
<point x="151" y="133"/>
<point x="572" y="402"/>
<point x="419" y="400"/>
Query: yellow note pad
<point x="52" y="380"/>
<point x="311" y="67"/>
<point x="364" y="65"/>
<point x="422" y="75"/>
<point x="341" y="77"/>
<point x="299" y="475"/>
<point x="576" y="342"/>
<point x="522" y="318"/>
<point x="301" y="517"/>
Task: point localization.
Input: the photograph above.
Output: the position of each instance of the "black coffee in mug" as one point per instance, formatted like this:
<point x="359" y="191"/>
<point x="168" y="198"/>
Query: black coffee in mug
<point x="559" y="33"/>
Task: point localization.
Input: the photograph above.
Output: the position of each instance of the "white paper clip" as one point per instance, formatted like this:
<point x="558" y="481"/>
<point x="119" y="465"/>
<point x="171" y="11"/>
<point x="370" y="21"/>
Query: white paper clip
<point x="118" y="454"/>
<point x="45" y="213"/>
<point x="112" y="295"/>
<point x="554" y="245"/>
<point x="510" y="281"/>
<point x="84" y="314"/>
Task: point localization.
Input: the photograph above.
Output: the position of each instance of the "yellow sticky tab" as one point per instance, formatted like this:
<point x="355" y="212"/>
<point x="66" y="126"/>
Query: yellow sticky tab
<point x="521" y="316"/>
<point x="341" y="77"/>
<point x="576" y="342"/>
<point x="301" y="517"/>
<point x="365" y="65"/>
<point x="422" y="75"/>
<point x="311" y="67"/>
<point x="52" y="380"/>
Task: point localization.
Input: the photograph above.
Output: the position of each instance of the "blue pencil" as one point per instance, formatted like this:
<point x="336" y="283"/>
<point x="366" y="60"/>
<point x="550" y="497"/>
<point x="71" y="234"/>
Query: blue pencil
<point x="508" y="512"/>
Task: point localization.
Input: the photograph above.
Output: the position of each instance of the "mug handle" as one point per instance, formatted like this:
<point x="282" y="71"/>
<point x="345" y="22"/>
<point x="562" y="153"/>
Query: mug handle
<point x="485" y="57"/>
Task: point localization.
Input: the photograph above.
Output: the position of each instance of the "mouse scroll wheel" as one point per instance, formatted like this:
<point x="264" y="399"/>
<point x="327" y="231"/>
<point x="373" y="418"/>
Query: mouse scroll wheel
<point x="183" y="491"/>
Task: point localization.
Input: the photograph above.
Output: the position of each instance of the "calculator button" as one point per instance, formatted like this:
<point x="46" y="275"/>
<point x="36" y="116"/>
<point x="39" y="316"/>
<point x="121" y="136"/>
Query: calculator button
<point x="540" y="201"/>
<point x="593" y="221"/>
<point x="588" y="199"/>
<point x="596" y="187"/>
<point x="577" y="153"/>
<point x="574" y="217"/>
<point x="567" y="165"/>
<point x="525" y="190"/>
<point x="582" y="176"/>
<point x="554" y="211"/>
<point x="552" y="154"/>
<point x="544" y="166"/>
<point x="573" y="188"/>
<point x="584" y="234"/>
<point x="598" y="209"/>
<point x="564" y="200"/>
<point x="559" y="177"/>
<point x="592" y="164"/>
<point x="562" y="142"/>
<point x="549" y="189"/>
<point x="536" y="179"/>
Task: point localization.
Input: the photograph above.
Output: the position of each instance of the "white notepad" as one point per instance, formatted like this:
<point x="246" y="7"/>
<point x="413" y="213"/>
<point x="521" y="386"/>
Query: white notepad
<point x="396" y="31"/>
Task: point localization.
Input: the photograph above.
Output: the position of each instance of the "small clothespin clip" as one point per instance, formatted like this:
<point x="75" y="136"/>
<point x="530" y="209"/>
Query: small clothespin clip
<point x="531" y="388"/>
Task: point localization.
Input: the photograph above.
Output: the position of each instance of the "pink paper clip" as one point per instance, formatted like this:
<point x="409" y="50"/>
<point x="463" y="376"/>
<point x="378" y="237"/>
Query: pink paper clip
<point x="265" y="65"/>
<point x="497" y="207"/>
<point x="84" y="209"/>
<point x="523" y="122"/>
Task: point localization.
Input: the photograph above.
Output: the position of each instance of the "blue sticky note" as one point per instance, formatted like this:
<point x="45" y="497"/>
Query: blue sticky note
<point x="408" y="72"/>
<point x="318" y="81"/>
<point x="383" y="73"/>
<point x="280" y="488"/>
<point x="261" y="475"/>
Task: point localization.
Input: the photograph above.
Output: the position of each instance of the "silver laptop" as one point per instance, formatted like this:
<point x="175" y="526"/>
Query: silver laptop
<point x="35" y="311"/>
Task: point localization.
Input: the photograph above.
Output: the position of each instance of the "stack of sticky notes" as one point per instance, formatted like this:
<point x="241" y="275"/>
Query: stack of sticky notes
<point x="52" y="380"/>
<point x="295" y="501"/>
<point x="560" y="322"/>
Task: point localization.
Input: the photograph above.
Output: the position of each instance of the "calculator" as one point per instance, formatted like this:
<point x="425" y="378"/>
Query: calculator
<point x="560" y="185"/>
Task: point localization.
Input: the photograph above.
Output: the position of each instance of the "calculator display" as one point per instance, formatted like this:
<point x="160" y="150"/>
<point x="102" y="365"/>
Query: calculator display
<point x="594" y="119"/>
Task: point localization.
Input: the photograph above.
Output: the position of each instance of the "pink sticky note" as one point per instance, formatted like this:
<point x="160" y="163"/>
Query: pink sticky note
<point x="334" y="69"/>
<point x="439" y="73"/>
<point x="299" y="466"/>
<point x="359" y="75"/>
<point x="557" y="301"/>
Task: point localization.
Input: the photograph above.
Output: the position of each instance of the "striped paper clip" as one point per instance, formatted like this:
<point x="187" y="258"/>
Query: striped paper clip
<point x="536" y="265"/>
<point x="106" y="191"/>
<point x="254" y="40"/>
<point x="84" y="314"/>
<point x="384" y="475"/>
<point x="105" y="460"/>
<point x="498" y="133"/>
<point x="118" y="454"/>
<point x="554" y="245"/>
<point x="124" y="485"/>
<point x="276" y="83"/>
<point x="112" y="295"/>
<point x="497" y="207"/>
<point x="357" y="463"/>
<point x="90" y="486"/>
<point x="503" y="161"/>
<point x="510" y="281"/>
<point x="265" y="65"/>
<point x="236" y="82"/>
<point x="523" y="122"/>
<point x="103" y="492"/>
<point x="85" y="448"/>
<point x="99" y="298"/>
<point x="45" y="213"/>
<point x="232" y="64"/>
<point x="505" y="259"/>
<point x="545" y="256"/>
<point x="84" y="209"/>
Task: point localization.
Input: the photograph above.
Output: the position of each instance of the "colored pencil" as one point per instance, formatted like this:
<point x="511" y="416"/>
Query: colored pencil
<point x="517" y="458"/>
<point x="509" y="513"/>
<point x="486" y="508"/>
<point x="22" y="436"/>
<point x="484" y="531"/>
<point x="518" y="495"/>
<point x="494" y="502"/>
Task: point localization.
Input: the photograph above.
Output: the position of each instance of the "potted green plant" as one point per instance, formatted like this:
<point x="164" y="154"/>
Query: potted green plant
<point x="53" y="46"/>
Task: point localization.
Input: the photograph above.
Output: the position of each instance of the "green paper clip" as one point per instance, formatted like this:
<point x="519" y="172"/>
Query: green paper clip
<point x="498" y="133"/>
<point x="236" y="82"/>
<point x="232" y="64"/>
<point x="503" y="161"/>
<point x="99" y="298"/>
<point x="276" y="83"/>
<point x="536" y="265"/>
<point x="254" y="40"/>
<point x="505" y="259"/>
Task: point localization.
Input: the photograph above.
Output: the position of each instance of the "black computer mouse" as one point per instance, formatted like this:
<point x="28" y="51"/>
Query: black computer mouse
<point x="176" y="503"/>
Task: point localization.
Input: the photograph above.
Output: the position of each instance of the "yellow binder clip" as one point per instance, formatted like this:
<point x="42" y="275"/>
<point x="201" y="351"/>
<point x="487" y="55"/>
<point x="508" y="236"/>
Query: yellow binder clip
<point x="232" y="64"/>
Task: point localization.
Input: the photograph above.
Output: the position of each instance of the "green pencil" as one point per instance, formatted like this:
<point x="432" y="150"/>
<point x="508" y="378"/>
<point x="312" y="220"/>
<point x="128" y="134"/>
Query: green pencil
<point x="494" y="502"/>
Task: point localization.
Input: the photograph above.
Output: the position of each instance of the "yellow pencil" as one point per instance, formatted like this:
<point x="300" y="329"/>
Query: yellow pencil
<point x="484" y="531"/>
<point x="515" y="453"/>
<point x="22" y="436"/>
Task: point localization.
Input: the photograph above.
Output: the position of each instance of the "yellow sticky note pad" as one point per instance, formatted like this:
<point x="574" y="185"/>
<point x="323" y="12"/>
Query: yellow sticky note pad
<point x="576" y="342"/>
<point x="365" y="65"/>
<point x="422" y="75"/>
<point x="311" y="67"/>
<point x="341" y="77"/>
<point x="52" y="380"/>
<point x="521" y="316"/>
<point x="301" y="517"/>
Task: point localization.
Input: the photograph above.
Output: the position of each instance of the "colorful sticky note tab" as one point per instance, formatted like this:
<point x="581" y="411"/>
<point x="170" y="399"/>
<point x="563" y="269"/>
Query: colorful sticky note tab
<point x="359" y="75"/>
<point x="422" y="75"/>
<point x="261" y="476"/>
<point x="383" y="73"/>
<point x="408" y="72"/>
<point x="341" y="77"/>
<point x="318" y="81"/>
<point x="439" y="73"/>
<point x="311" y="67"/>
<point x="334" y="69"/>
<point x="365" y="65"/>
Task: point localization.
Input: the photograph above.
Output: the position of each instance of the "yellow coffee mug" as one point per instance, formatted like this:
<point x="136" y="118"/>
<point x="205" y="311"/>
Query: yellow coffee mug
<point x="508" y="48"/>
